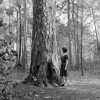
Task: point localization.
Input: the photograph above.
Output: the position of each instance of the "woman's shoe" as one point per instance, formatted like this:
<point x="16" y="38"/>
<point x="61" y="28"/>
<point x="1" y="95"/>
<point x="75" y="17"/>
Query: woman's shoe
<point x="62" y="85"/>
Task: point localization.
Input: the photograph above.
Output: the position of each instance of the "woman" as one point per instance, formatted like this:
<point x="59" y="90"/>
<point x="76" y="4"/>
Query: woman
<point x="64" y="62"/>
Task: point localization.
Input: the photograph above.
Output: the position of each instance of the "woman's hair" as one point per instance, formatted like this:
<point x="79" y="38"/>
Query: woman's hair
<point x="64" y="49"/>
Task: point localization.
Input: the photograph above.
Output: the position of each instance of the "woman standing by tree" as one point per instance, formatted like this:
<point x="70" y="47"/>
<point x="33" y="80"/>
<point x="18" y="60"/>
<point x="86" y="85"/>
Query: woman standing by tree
<point x="64" y="63"/>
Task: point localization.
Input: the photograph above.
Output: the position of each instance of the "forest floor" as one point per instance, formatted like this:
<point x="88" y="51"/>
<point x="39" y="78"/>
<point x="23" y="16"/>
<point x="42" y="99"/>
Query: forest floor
<point x="78" y="87"/>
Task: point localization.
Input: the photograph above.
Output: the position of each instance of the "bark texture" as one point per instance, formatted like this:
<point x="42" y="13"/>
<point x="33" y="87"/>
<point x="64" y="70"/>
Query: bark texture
<point x="24" y="37"/>
<point x="44" y="45"/>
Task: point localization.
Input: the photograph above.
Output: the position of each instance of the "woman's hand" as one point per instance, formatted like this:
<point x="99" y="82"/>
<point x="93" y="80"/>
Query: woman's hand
<point x="66" y="65"/>
<point x="66" y="68"/>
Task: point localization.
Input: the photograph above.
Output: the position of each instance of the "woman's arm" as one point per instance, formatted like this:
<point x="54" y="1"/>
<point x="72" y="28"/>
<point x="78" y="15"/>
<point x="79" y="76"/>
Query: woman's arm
<point x="66" y="64"/>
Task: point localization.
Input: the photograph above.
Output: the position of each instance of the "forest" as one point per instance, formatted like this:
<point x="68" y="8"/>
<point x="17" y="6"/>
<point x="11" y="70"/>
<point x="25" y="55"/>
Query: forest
<point x="49" y="49"/>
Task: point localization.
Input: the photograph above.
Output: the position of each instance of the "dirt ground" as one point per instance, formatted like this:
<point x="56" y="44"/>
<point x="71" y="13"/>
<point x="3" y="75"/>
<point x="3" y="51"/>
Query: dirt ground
<point x="78" y="87"/>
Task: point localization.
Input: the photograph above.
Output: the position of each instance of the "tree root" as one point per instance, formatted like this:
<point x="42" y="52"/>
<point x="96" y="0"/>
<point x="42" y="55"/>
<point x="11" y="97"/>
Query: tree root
<point x="44" y="77"/>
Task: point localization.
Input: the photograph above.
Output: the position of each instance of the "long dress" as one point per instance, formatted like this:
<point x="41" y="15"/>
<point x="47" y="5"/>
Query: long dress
<point x="63" y="72"/>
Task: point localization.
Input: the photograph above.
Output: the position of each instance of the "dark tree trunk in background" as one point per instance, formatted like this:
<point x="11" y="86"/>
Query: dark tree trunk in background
<point x="43" y="44"/>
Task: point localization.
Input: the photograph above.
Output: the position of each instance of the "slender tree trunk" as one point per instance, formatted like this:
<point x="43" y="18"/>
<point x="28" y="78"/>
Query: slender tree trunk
<point x="17" y="35"/>
<point x="20" y="36"/>
<point x="70" y="53"/>
<point x="82" y="51"/>
<point x="74" y="30"/>
<point x="82" y="42"/>
<point x="43" y="40"/>
<point x="77" y="39"/>
<point x="24" y="37"/>
<point x="18" y="63"/>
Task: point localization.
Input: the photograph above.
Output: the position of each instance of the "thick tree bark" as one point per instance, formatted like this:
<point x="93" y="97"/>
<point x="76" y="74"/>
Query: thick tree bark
<point x="43" y="43"/>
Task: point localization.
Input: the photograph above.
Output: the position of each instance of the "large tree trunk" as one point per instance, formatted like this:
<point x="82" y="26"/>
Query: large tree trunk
<point x="44" y="46"/>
